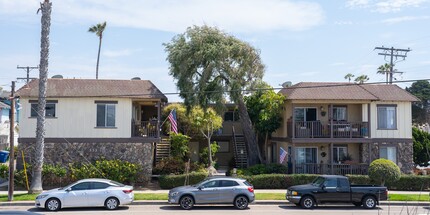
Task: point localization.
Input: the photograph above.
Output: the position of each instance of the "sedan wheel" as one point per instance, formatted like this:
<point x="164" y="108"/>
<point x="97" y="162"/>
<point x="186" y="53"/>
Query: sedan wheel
<point x="53" y="204"/>
<point x="307" y="202"/>
<point x="111" y="203"/>
<point x="186" y="202"/>
<point x="241" y="202"/>
<point x="369" y="202"/>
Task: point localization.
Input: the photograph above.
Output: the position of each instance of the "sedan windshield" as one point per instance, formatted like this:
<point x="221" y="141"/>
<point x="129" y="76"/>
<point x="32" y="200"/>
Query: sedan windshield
<point x="318" y="181"/>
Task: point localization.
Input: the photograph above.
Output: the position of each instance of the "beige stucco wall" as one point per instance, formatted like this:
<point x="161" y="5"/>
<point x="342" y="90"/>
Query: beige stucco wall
<point x="76" y="118"/>
<point x="404" y="121"/>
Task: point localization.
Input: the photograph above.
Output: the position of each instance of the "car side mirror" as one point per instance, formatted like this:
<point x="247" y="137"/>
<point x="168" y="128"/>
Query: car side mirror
<point x="200" y="188"/>
<point x="323" y="186"/>
<point x="68" y="189"/>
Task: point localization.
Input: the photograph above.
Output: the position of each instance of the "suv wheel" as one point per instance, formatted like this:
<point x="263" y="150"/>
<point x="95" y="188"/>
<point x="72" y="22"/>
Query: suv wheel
<point x="307" y="202"/>
<point x="369" y="202"/>
<point x="241" y="202"/>
<point x="186" y="202"/>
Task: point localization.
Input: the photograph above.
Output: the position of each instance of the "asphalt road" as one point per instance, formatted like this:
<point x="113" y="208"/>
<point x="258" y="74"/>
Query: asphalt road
<point x="227" y="210"/>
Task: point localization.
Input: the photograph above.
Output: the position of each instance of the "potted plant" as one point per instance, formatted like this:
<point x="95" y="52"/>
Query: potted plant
<point x="347" y="159"/>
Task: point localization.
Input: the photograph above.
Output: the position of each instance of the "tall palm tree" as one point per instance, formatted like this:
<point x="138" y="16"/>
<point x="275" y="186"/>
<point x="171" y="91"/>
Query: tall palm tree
<point x="361" y="79"/>
<point x="384" y="69"/>
<point x="36" y="182"/>
<point x="98" y="30"/>
<point x="349" y="76"/>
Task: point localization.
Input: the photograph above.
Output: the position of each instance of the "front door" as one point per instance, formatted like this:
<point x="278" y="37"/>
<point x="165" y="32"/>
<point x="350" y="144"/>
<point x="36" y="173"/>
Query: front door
<point x="209" y="193"/>
<point x="306" y="160"/>
<point x="77" y="196"/>
<point x="328" y="192"/>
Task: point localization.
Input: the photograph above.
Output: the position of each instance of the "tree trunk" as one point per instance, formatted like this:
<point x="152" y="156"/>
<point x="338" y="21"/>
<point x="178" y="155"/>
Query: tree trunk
<point x="210" y="152"/>
<point x="98" y="58"/>
<point x="265" y="148"/>
<point x="36" y="182"/>
<point x="254" y="156"/>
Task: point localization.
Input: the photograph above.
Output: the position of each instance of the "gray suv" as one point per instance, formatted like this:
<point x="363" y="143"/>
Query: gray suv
<point x="214" y="190"/>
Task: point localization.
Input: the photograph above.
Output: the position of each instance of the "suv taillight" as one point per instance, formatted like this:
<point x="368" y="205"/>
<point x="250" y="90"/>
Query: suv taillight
<point x="127" y="191"/>
<point x="251" y="189"/>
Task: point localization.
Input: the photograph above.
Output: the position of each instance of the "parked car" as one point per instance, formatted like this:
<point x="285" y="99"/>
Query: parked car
<point x="214" y="190"/>
<point x="335" y="189"/>
<point x="87" y="193"/>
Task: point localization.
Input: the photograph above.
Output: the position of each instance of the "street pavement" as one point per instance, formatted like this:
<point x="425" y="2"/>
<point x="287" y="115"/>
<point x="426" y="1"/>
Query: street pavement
<point x="227" y="210"/>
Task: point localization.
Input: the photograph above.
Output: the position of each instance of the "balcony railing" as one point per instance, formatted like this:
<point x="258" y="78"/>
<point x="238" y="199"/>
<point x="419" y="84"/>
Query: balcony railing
<point x="318" y="129"/>
<point x="145" y="129"/>
<point x="336" y="169"/>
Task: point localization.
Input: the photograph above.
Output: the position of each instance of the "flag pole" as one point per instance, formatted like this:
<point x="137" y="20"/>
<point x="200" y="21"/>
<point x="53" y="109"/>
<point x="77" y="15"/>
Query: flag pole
<point x="166" y="118"/>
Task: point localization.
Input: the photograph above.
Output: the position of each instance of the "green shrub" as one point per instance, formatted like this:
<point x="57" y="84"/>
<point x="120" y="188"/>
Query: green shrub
<point x="4" y="171"/>
<point x="410" y="182"/>
<point x="383" y="170"/>
<point x="204" y="155"/>
<point x="259" y="169"/>
<point x="171" y="181"/>
<point x="360" y="179"/>
<point x="278" y="181"/>
<point x="179" y="146"/>
<point x="176" y="166"/>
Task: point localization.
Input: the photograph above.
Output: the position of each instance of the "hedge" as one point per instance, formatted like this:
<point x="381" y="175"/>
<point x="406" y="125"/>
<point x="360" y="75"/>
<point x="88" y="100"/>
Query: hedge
<point x="171" y="181"/>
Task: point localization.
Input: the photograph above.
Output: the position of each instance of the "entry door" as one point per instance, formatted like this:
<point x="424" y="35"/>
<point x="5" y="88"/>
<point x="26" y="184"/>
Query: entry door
<point x="306" y="160"/>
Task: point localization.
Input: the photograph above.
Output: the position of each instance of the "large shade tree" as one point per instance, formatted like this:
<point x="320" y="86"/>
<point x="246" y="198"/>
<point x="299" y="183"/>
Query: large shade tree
<point x="36" y="182"/>
<point x="421" y="109"/>
<point x="209" y="64"/>
<point x="98" y="30"/>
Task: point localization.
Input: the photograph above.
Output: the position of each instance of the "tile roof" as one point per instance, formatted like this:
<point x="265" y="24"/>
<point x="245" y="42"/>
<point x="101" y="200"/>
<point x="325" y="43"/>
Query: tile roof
<point x="346" y="91"/>
<point x="94" y="88"/>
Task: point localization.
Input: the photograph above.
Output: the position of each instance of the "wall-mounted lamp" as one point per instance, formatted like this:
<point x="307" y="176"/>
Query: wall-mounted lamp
<point x="322" y="111"/>
<point x="322" y="148"/>
<point x="321" y="108"/>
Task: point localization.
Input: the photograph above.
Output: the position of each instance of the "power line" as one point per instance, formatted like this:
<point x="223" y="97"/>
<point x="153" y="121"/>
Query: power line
<point x="28" y="69"/>
<point x="394" y="55"/>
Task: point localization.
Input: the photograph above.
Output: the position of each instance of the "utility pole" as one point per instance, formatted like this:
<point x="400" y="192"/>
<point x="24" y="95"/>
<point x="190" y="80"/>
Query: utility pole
<point x="11" y="141"/>
<point x="28" y="68"/>
<point x="394" y="55"/>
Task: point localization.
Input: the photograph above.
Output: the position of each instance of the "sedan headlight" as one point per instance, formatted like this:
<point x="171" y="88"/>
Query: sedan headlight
<point x="174" y="193"/>
<point x="41" y="196"/>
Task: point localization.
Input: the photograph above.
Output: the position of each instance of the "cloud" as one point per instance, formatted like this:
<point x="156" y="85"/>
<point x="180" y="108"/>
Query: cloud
<point x="384" y="6"/>
<point x="176" y="16"/>
<point x="404" y="19"/>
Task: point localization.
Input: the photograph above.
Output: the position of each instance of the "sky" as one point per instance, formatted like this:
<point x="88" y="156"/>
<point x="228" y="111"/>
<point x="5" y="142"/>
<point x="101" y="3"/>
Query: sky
<point x="312" y="41"/>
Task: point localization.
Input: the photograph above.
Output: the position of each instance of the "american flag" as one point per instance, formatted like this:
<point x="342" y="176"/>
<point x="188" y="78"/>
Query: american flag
<point x="282" y="155"/>
<point x="173" y="123"/>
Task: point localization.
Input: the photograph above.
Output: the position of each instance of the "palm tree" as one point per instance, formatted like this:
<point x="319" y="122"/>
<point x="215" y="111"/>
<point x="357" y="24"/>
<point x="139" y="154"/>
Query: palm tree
<point x="98" y="30"/>
<point x="384" y="69"/>
<point x="36" y="182"/>
<point x="361" y="79"/>
<point x="349" y="76"/>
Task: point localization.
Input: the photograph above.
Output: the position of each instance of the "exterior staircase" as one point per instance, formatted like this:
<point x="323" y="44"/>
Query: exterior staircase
<point x="240" y="151"/>
<point x="162" y="150"/>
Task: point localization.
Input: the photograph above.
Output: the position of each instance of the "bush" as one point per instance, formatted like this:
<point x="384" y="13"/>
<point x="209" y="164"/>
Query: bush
<point x="278" y="181"/>
<point x="410" y="182"/>
<point x="175" y="166"/>
<point x="179" y="146"/>
<point x="117" y="170"/>
<point x="383" y="170"/>
<point x="259" y="169"/>
<point x="4" y="171"/>
<point x="171" y="181"/>
<point x="360" y="179"/>
<point x="204" y="155"/>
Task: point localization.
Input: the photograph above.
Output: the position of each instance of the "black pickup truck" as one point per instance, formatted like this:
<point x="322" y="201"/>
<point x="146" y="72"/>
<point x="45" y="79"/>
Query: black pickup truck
<point x="335" y="189"/>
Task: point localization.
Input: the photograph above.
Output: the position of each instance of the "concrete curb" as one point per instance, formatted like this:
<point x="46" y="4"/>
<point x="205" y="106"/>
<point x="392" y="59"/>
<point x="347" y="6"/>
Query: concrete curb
<point x="258" y="202"/>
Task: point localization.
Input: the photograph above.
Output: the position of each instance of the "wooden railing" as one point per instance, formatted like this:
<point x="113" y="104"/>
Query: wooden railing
<point x="336" y="169"/>
<point x="318" y="129"/>
<point x="145" y="129"/>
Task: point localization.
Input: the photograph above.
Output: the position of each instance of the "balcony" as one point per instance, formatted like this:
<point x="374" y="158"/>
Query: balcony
<point x="318" y="129"/>
<point x="147" y="129"/>
<point x="336" y="169"/>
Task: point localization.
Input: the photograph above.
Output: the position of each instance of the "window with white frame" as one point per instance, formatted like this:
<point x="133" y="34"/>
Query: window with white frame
<point x="50" y="108"/>
<point x="339" y="113"/>
<point x="106" y="114"/>
<point x="387" y="117"/>
<point x="389" y="153"/>
<point x="339" y="153"/>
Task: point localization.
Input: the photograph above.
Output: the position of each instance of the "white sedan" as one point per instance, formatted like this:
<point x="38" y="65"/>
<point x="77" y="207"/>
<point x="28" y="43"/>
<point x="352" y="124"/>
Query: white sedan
<point x="87" y="193"/>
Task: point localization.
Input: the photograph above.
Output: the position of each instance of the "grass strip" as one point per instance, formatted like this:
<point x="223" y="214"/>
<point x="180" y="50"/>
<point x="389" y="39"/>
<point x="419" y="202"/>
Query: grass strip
<point x="258" y="196"/>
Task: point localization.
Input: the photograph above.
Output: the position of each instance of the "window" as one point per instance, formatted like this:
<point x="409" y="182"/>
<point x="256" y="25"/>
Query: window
<point x="387" y="117"/>
<point x="49" y="108"/>
<point x="82" y="186"/>
<point x="100" y="185"/>
<point x="305" y="114"/>
<point x="231" y="115"/>
<point x="388" y="153"/>
<point x="211" y="184"/>
<point x="339" y="113"/>
<point x="228" y="183"/>
<point x="343" y="182"/>
<point x="306" y="155"/>
<point x="105" y="115"/>
<point x="339" y="152"/>
<point x="330" y="183"/>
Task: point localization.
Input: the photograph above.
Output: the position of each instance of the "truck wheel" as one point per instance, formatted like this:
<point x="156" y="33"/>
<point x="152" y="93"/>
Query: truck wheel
<point x="307" y="202"/>
<point x="369" y="202"/>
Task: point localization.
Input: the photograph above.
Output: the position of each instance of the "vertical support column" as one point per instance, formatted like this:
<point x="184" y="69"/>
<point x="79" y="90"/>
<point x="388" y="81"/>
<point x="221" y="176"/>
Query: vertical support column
<point x="158" y="118"/>
<point x="331" y="120"/>
<point x="293" y="156"/>
<point x="293" y="124"/>
<point x="369" y="120"/>
<point x="331" y="158"/>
